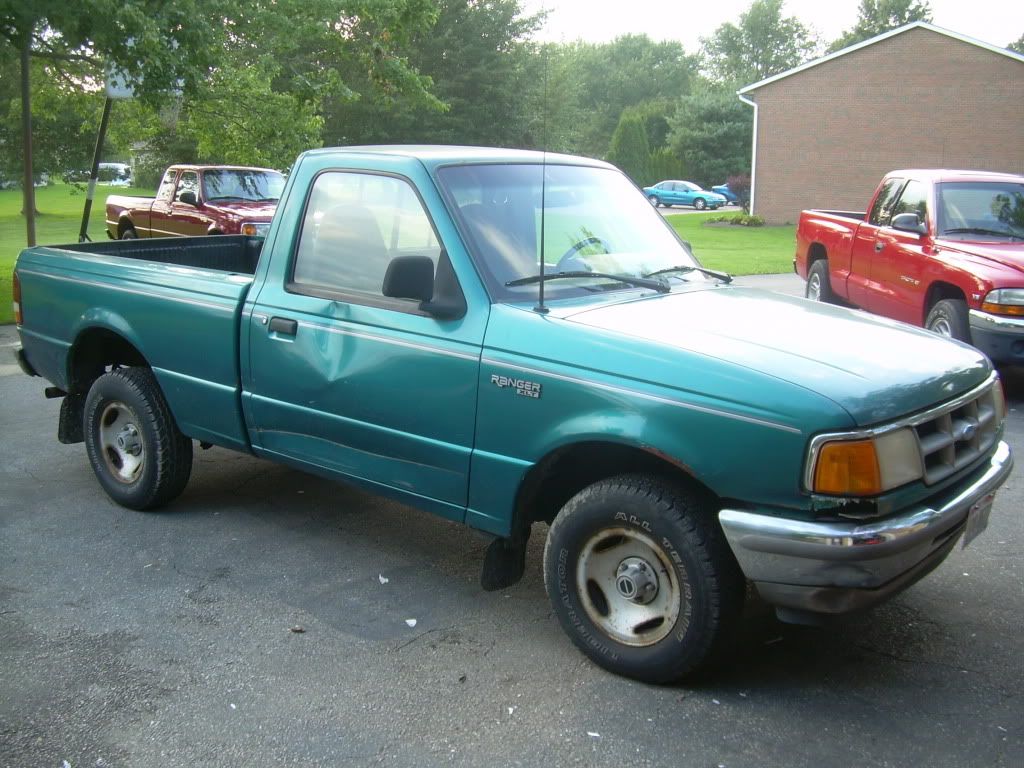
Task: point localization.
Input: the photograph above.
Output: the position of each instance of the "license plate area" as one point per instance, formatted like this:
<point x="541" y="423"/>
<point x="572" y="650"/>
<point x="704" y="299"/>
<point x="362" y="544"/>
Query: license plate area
<point x="977" y="518"/>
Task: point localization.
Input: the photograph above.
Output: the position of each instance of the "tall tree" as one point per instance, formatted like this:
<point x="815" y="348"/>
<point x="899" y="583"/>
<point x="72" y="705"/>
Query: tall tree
<point x="484" y="72"/>
<point x="1018" y="45"/>
<point x="711" y="136"/>
<point x="874" y="17"/>
<point x="629" y="149"/>
<point x="762" y="44"/>
<point x="629" y="71"/>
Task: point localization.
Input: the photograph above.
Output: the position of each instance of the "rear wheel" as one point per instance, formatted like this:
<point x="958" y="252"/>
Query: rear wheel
<point x="641" y="578"/>
<point x="819" y="287"/>
<point x="949" y="318"/>
<point x="139" y="456"/>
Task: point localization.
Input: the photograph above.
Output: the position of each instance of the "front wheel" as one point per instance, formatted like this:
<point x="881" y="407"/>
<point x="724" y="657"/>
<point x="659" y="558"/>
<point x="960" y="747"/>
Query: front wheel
<point x="642" y="579"/>
<point x="654" y="200"/>
<point x="949" y="318"/>
<point x="700" y="204"/>
<point x="129" y="234"/>
<point x="139" y="456"/>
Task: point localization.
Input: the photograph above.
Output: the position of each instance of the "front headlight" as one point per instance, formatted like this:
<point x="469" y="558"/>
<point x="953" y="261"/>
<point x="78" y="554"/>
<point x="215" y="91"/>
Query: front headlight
<point x="1005" y="301"/>
<point x="865" y="466"/>
<point x="255" y="228"/>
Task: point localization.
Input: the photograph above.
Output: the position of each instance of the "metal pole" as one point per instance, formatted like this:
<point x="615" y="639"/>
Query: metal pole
<point x="83" y="235"/>
<point x="29" y="193"/>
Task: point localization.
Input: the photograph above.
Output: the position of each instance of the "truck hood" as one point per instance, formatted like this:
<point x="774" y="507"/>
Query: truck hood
<point x="1006" y="254"/>
<point x="254" y="211"/>
<point x="876" y="369"/>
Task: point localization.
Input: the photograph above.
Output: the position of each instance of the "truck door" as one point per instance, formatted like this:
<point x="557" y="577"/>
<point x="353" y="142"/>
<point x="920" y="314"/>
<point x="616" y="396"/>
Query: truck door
<point x="901" y="259"/>
<point x="346" y="380"/>
<point x="861" y="285"/>
<point x="187" y="219"/>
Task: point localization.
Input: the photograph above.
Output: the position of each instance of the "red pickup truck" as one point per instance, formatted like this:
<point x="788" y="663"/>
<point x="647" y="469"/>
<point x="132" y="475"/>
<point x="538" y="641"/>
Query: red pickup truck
<point x="937" y="248"/>
<point x="199" y="200"/>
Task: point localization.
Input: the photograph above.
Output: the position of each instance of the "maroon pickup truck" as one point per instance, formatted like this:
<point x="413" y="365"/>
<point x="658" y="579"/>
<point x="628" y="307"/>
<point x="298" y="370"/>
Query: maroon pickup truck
<point x="939" y="249"/>
<point x="199" y="200"/>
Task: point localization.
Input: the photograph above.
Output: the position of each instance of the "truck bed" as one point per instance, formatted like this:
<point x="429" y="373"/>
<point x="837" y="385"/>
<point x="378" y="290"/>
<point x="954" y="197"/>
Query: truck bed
<point x="178" y="301"/>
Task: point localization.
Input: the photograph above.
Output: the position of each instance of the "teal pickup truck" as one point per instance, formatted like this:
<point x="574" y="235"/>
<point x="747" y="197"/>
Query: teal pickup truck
<point x="507" y="338"/>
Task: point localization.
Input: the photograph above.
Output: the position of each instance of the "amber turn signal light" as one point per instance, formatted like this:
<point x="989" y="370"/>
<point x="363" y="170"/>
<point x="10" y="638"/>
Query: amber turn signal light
<point x="848" y="468"/>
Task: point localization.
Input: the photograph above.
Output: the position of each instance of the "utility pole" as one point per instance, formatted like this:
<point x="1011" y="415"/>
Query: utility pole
<point x="29" y="197"/>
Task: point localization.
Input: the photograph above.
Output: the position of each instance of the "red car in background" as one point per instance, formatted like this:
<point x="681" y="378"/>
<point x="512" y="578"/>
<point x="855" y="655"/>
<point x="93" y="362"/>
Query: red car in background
<point x="199" y="200"/>
<point x="937" y="248"/>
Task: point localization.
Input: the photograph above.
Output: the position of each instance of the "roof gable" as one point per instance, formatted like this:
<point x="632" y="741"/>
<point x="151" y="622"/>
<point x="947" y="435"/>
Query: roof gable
<point x="884" y="36"/>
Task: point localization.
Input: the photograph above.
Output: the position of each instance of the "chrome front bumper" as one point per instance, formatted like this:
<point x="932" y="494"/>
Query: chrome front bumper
<point x="837" y="567"/>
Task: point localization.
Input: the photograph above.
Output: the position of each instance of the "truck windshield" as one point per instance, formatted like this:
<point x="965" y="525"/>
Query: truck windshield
<point x="595" y="220"/>
<point x="240" y="184"/>
<point x="986" y="210"/>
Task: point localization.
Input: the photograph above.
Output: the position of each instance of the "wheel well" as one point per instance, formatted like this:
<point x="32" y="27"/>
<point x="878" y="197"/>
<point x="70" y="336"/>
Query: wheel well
<point x="123" y="226"/>
<point x="814" y="253"/>
<point x="96" y="350"/>
<point x="564" y="472"/>
<point x="936" y="293"/>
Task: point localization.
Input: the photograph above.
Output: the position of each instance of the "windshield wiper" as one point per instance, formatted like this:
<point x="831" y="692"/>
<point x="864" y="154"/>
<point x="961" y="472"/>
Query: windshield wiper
<point x="723" y="276"/>
<point x="640" y="282"/>
<point x="982" y="231"/>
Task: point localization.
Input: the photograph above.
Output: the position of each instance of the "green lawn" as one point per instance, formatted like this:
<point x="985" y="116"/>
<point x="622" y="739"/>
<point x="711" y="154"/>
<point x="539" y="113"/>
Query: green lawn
<point x="60" y="216"/>
<point x="738" y="250"/>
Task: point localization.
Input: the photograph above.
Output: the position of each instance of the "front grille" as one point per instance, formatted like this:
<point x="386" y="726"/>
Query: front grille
<point x="954" y="438"/>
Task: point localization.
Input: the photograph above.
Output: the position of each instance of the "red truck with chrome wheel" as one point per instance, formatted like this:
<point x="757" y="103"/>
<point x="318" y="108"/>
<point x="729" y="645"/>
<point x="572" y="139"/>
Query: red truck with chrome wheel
<point x="940" y="249"/>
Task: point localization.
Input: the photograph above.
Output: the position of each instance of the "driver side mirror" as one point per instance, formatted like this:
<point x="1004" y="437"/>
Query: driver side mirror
<point x="412" y="277"/>
<point x="909" y="222"/>
<point x="189" y="198"/>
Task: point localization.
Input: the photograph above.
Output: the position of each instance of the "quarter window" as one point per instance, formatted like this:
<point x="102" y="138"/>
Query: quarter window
<point x="355" y="224"/>
<point x="881" y="211"/>
<point x="166" y="191"/>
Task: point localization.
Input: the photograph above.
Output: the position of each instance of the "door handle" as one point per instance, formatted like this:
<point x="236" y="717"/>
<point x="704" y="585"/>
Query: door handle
<point x="283" y="326"/>
<point x="879" y="247"/>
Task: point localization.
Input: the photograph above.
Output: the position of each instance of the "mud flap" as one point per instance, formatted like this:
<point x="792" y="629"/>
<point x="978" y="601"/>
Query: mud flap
<point x="70" y="427"/>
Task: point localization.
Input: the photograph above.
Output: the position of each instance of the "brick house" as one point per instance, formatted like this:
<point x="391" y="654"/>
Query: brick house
<point x="916" y="97"/>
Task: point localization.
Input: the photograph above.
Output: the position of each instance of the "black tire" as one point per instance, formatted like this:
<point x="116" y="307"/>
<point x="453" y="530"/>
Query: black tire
<point x="949" y="318"/>
<point x="695" y="577"/>
<point x="700" y="204"/>
<point x="125" y="412"/>
<point x="654" y="200"/>
<point x="129" y="233"/>
<point x="819" y="286"/>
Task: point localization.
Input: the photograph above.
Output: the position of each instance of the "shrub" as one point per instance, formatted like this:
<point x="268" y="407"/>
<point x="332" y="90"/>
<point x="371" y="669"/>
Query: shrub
<point x="736" y="219"/>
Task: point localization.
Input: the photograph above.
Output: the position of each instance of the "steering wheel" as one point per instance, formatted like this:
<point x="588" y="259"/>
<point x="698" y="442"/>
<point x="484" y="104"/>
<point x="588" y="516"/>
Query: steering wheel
<point x="565" y="263"/>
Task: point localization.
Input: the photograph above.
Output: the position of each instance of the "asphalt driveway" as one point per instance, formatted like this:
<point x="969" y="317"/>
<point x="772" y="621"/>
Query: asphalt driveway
<point x="270" y="618"/>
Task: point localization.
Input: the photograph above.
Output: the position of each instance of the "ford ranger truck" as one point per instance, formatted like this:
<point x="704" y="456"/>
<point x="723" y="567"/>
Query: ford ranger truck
<point x="506" y="338"/>
<point x="943" y="250"/>
<point x="196" y="200"/>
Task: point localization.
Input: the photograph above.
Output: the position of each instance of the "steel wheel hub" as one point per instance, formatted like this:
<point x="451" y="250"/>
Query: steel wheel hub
<point x="121" y="442"/>
<point x="814" y="288"/>
<point x="628" y="586"/>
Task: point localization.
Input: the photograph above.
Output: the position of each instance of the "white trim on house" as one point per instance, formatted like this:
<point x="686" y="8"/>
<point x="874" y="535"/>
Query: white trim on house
<point x="884" y="36"/>
<point x="753" y="152"/>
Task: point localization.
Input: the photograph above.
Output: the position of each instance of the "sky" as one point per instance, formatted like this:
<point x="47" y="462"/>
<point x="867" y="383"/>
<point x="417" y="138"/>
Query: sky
<point x="998" y="22"/>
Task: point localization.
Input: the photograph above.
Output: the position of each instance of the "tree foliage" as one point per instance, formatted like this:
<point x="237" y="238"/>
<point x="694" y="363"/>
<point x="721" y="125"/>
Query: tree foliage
<point x="762" y="44"/>
<point x="711" y="133"/>
<point x="1017" y="45"/>
<point x="875" y="17"/>
<point x="483" y="70"/>
<point x="629" y="148"/>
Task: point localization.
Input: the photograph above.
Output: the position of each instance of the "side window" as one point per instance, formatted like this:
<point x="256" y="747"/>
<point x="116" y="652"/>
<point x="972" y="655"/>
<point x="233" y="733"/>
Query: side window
<point x="166" y="190"/>
<point x="913" y="200"/>
<point x="355" y="224"/>
<point x="189" y="182"/>
<point x="881" y="211"/>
